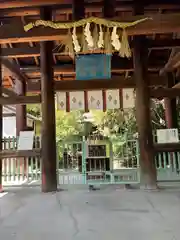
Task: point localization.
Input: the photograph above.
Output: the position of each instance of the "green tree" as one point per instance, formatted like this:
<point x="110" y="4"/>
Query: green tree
<point x="68" y="124"/>
<point x="34" y="109"/>
<point x="115" y="122"/>
<point x="68" y="128"/>
<point x="157" y="114"/>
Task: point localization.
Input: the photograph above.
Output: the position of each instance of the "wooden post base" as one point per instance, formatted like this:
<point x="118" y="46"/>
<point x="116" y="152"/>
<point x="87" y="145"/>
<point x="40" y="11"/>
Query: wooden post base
<point x="1" y="188"/>
<point x="48" y="186"/>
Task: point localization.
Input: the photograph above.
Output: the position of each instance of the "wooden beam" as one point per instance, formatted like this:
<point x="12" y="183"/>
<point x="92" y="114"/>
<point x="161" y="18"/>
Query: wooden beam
<point x="61" y="69"/>
<point x="9" y="115"/>
<point x="11" y="81"/>
<point x="161" y="44"/>
<point x="29" y="3"/>
<point x="160" y="23"/>
<point x="20" y="153"/>
<point x="19" y="12"/>
<point x="92" y="7"/>
<point x="166" y="147"/>
<point x="114" y="83"/>
<point x="25" y="52"/>
<point x="173" y="63"/>
<point x="9" y="92"/>
<point x="176" y="86"/>
<point x="22" y="100"/>
<point x="109" y="10"/>
<point x="165" y="92"/>
<point x="84" y="85"/>
<point x="14" y="68"/>
<point x="69" y="69"/>
<point x="21" y="52"/>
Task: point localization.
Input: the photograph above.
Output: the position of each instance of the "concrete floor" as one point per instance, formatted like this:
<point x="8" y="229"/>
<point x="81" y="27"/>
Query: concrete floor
<point x="109" y="213"/>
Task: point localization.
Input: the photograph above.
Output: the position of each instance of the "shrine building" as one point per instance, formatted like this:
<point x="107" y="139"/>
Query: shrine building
<point x="100" y="54"/>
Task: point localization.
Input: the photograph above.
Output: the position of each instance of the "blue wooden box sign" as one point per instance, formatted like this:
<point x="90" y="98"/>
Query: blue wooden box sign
<point x="93" y="66"/>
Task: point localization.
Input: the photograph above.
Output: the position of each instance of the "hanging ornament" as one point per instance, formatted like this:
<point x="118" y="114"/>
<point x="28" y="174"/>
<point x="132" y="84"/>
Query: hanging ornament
<point x="69" y="48"/>
<point x="95" y="37"/>
<point x="115" y="39"/>
<point x="107" y="42"/>
<point x="125" y="50"/>
<point x="88" y="36"/>
<point x="77" y="46"/>
<point x="84" y="46"/>
<point x="101" y="38"/>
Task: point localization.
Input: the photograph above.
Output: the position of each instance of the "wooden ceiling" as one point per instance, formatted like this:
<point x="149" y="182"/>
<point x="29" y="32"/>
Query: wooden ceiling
<point x="21" y="50"/>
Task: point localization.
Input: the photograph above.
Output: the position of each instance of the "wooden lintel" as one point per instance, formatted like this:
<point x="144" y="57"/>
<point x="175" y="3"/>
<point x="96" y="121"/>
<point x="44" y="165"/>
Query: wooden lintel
<point x="9" y="92"/>
<point x="25" y="52"/>
<point x="14" y="68"/>
<point x="29" y="3"/>
<point x="75" y="85"/>
<point x="22" y="100"/>
<point x="173" y="63"/>
<point x="20" y="153"/>
<point x="83" y="85"/>
<point x="159" y="23"/>
<point x="31" y="9"/>
<point x="177" y="85"/>
<point x="9" y="115"/>
<point x="165" y="92"/>
<point x="69" y="70"/>
<point x="21" y="52"/>
<point x="167" y="147"/>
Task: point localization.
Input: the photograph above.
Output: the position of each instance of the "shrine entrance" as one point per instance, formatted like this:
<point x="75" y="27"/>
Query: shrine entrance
<point x="97" y="160"/>
<point x="92" y="160"/>
<point x="92" y="62"/>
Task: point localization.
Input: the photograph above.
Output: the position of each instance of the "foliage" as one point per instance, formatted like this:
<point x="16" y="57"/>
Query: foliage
<point x="121" y="125"/>
<point x="118" y="126"/>
<point x="115" y="122"/>
<point x="68" y="127"/>
<point x="68" y="124"/>
<point x="34" y="109"/>
<point x="157" y="114"/>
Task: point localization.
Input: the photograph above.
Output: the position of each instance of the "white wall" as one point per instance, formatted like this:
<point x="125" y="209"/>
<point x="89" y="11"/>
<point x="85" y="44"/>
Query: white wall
<point x="9" y="126"/>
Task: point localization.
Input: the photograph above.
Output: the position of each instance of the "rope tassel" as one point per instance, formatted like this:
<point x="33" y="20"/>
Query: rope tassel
<point x="107" y="42"/>
<point x="69" y="48"/>
<point x="77" y="47"/>
<point x="125" y="50"/>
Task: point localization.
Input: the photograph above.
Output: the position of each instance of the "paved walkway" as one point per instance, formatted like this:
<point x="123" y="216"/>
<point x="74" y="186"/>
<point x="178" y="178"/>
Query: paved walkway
<point x="109" y="213"/>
